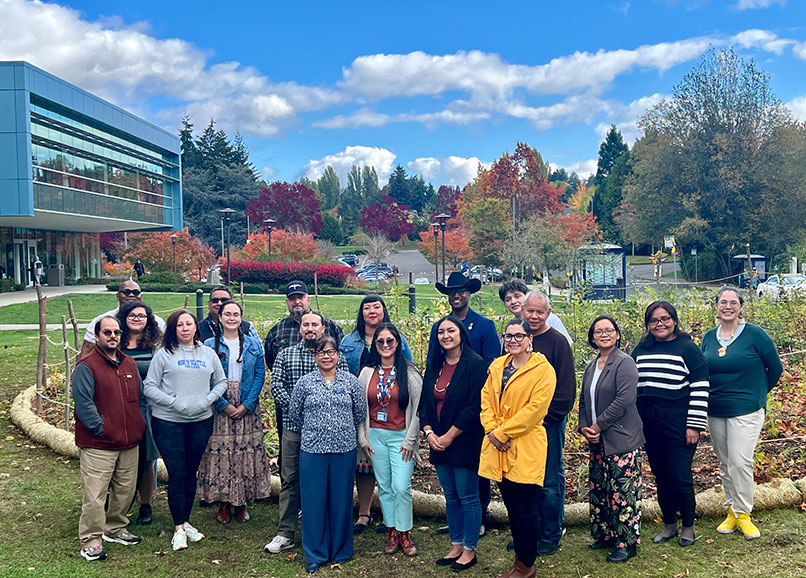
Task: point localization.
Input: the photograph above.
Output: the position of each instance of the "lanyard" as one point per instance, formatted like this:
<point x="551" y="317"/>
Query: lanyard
<point x="385" y="385"/>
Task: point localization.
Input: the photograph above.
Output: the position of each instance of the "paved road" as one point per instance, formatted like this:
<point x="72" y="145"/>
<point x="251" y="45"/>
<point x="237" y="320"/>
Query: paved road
<point x="414" y="262"/>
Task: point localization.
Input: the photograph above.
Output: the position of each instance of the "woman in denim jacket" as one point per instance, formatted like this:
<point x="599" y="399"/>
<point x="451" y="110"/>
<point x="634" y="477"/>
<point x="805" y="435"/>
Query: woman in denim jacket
<point x="234" y="468"/>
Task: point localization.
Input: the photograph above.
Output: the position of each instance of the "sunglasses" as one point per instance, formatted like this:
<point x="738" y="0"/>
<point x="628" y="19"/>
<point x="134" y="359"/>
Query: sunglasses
<point x="218" y="299"/>
<point x="115" y="332"/>
<point x="130" y="292"/>
<point x="388" y="342"/>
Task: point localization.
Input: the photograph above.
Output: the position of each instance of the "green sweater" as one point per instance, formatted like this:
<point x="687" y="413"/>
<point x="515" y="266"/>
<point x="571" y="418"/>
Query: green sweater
<point x="742" y="378"/>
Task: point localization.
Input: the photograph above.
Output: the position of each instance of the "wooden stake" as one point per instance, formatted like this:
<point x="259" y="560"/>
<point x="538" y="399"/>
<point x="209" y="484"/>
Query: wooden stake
<point x="41" y="358"/>
<point x="68" y="375"/>
<point x="186" y="301"/>
<point x="316" y="288"/>
<point x="74" y="323"/>
<point x="242" y="296"/>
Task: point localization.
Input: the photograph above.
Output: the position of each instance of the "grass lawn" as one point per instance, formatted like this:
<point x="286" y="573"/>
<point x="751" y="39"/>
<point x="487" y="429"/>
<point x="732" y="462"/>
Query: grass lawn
<point x="40" y="506"/>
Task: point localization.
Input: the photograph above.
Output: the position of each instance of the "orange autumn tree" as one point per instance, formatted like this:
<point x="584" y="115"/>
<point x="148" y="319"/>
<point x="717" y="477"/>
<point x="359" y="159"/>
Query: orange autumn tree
<point x="285" y="246"/>
<point x="457" y="249"/>
<point x="156" y="251"/>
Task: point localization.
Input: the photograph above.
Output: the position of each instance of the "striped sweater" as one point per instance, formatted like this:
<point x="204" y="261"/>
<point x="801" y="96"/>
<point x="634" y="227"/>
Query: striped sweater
<point x="675" y="370"/>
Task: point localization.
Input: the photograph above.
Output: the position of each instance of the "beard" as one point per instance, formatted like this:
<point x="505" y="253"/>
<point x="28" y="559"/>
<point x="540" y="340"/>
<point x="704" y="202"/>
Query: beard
<point x="310" y="343"/>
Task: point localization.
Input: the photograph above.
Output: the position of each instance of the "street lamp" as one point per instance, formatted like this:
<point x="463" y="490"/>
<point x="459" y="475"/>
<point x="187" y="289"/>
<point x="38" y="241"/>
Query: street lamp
<point x="269" y="223"/>
<point x="442" y="218"/>
<point x="226" y="215"/>
<point x="436" y="252"/>
<point x="173" y="240"/>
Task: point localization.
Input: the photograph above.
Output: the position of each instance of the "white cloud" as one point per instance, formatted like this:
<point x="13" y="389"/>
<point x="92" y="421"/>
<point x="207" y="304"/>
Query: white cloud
<point x="380" y="158"/>
<point x="750" y="4"/>
<point x="267" y="173"/>
<point x="625" y="117"/>
<point x="453" y="170"/>
<point x="798" y="107"/>
<point x="763" y="39"/>
<point x="583" y="169"/>
<point x="365" y="117"/>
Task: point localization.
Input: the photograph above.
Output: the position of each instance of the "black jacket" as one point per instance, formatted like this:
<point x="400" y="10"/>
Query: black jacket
<point x="462" y="408"/>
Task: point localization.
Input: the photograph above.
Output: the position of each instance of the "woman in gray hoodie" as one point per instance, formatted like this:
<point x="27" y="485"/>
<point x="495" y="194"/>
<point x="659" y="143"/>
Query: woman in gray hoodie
<point x="184" y="380"/>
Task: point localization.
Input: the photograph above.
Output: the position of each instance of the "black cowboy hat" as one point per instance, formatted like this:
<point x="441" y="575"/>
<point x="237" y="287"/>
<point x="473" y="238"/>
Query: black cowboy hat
<point x="458" y="282"/>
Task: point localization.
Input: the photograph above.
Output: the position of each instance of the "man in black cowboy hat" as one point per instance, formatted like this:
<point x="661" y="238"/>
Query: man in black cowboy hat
<point x="482" y="332"/>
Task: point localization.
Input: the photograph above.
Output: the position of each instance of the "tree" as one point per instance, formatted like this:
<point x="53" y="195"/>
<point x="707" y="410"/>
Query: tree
<point x="156" y="251"/>
<point x="386" y="218"/>
<point x="285" y="246"/>
<point x="611" y="148"/>
<point x="329" y="188"/>
<point x="609" y="196"/>
<point x="331" y="229"/>
<point x="292" y="205"/>
<point x="457" y="249"/>
<point x="447" y="196"/>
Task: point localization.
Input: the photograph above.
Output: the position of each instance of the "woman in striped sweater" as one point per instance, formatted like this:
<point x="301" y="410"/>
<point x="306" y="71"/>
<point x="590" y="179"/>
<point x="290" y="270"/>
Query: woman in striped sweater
<point x="673" y="404"/>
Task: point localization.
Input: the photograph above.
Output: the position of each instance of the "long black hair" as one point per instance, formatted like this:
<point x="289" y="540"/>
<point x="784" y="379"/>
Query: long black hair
<point x="170" y="341"/>
<point x="401" y="363"/>
<point x="360" y="324"/>
<point x="593" y="325"/>
<point x="220" y="332"/>
<point x="648" y="340"/>
<point x="438" y="359"/>
<point x="151" y="335"/>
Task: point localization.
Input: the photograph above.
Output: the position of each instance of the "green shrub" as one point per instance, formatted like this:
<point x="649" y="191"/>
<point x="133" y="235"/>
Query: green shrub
<point x="164" y="277"/>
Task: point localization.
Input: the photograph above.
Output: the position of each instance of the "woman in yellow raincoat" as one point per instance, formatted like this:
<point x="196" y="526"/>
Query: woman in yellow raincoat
<point x="514" y="401"/>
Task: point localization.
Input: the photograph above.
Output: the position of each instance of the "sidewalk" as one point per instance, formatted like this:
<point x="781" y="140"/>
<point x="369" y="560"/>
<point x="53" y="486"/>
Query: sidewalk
<point x="29" y="294"/>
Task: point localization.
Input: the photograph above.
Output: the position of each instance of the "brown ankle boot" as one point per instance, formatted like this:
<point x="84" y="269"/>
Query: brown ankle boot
<point x="508" y="573"/>
<point x="520" y="570"/>
<point x="407" y="545"/>
<point x="393" y="543"/>
<point x="242" y="514"/>
<point x="224" y="515"/>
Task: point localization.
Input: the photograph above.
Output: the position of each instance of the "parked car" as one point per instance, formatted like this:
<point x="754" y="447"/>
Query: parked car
<point x="492" y="274"/>
<point x="373" y="278"/>
<point x="422" y="281"/>
<point x="782" y="285"/>
<point x="349" y="259"/>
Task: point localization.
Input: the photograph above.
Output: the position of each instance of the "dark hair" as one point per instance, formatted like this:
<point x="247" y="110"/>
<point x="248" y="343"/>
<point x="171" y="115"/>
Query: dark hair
<point x="401" y="363"/>
<point x="360" y="324"/>
<point x="325" y="340"/>
<point x="152" y="334"/>
<point x="597" y="320"/>
<point x="220" y="332"/>
<point x="729" y="288"/>
<point x="512" y="285"/>
<point x="439" y="354"/>
<point x="221" y="288"/>
<point x="648" y="339"/>
<point x="170" y="341"/>
<point x="98" y="323"/>
<point x="312" y="312"/>
<point x="522" y="322"/>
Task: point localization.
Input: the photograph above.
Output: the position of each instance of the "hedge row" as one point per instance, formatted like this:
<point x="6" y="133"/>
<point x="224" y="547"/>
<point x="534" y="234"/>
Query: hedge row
<point x="277" y="274"/>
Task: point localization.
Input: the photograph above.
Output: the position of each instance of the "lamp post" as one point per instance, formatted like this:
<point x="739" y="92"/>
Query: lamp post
<point x="435" y="227"/>
<point x="269" y="223"/>
<point x="226" y="215"/>
<point x="173" y="240"/>
<point x="442" y="218"/>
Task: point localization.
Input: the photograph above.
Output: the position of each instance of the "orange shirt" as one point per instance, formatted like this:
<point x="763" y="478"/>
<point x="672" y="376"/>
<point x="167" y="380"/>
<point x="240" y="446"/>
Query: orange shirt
<point x="442" y="383"/>
<point x="395" y="417"/>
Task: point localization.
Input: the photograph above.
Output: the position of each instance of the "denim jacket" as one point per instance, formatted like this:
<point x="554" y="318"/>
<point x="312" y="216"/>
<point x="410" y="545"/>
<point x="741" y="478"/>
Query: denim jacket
<point x="253" y="372"/>
<point x="352" y="346"/>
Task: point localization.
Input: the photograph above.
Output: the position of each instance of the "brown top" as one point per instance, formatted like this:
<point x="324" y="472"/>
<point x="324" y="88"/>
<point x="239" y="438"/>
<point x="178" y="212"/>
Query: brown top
<point x="395" y="417"/>
<point x="441" y="385"/>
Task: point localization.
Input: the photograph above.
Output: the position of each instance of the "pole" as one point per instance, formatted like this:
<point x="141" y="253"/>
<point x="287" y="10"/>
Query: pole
<point x="674" y="256"/>
<point x="436" y="253"/>
<point x="269" y="243"/>
<point x="41" y="361"/>
<point x="199" y="303"/>
<point x="412" y="294"/>
<point x="67" y="375"/>
<point x="173" y="238"/>
<point x="442" y="226"/>
<point x="229" y="272"/>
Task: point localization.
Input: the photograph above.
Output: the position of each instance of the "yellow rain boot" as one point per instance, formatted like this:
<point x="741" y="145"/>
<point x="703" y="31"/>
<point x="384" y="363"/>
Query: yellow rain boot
<point x="729" y="525"/>
<point x="747" y="527"/>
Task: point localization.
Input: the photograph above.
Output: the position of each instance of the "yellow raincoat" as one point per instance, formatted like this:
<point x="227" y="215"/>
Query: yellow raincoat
<point x="517" y="416"/>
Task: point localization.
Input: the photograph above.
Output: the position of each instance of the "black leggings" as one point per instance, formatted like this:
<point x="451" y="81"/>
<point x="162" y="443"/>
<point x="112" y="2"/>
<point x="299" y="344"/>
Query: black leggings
<point x="521" y="501"/>
<point x="181" y="446"/>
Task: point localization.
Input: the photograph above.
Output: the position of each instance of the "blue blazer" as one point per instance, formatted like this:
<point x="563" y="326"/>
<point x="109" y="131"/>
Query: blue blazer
<point x="253" y="373"/>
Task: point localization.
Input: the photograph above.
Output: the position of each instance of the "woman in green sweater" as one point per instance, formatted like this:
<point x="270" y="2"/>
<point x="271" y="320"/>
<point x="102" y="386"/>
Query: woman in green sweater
<point x="744" y="366"/>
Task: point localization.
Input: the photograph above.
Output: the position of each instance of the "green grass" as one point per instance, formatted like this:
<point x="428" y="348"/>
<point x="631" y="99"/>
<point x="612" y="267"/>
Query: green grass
<point x="40" y="506"/>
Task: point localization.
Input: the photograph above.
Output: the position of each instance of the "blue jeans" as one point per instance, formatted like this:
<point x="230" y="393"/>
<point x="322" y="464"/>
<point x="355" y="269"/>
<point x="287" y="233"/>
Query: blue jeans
<point x="551" y="501"/>
<point x="462" y="506"/>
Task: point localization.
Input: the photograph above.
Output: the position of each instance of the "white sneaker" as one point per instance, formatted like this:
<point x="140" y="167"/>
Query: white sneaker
<point x="192" y="533"/>
<point x="180" y="540"/>
<point x="278" y="544"/>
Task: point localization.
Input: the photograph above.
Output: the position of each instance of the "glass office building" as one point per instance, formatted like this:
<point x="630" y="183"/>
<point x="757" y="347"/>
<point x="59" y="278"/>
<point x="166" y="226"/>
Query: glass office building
<point x="73" y="166"/>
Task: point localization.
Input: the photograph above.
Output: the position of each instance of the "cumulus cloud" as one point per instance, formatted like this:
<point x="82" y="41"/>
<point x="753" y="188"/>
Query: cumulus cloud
<point x="365" y="117"/>
<point x="625" y="116"/>
<point x="583" y="169"/>
<point x="798" y="107"/>
<point x="763" y="39"/>
<point x="453" y="170"/>
<point x="750" y="4"/>
<point x="267" y="173"/>
<point x="380" y="158"/>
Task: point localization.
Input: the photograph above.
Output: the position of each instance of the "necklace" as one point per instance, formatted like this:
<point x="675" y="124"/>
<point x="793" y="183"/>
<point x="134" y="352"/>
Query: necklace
<point x="436" y="387"/>
<point x="385" y="385"/>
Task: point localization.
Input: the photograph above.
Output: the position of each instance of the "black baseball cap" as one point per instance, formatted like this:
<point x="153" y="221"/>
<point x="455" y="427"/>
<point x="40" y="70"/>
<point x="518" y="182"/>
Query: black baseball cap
<point x="296" y="287"/>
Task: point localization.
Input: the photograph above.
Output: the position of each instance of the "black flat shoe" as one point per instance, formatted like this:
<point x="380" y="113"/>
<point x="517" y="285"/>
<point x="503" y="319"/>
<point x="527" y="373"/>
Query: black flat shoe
<point x="457" y="567"/>
<point x="686" y="542"/>
<point x="359" y="527"/>
<point x="546" y="548"/>
<point x="620" y="555"/>
<point x="600" y="545"/>
<point x="447" y="561"/>
<point x="510" y="545"/>
<point x="660" y="538"/>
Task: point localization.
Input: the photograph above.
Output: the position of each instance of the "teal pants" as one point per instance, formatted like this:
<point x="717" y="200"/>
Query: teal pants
<point x="393" y="476"/>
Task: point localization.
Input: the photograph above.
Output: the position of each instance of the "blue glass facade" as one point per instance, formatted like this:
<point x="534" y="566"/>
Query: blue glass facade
<point x="73" y="164"/>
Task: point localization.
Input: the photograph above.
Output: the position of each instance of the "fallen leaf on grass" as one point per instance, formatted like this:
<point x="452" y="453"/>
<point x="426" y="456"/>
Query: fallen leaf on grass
<point x="426" y="528"/>
<point x="26" y="469"/>
<point x="336" y="565"/>
<point x="5" y="475"/>
<point x="802" y="506"/>
<point x="291" y="557"/>
<point x="681" y="574"/>
<point x="9" y="438"/>
<point x="160" y="553"/>
<point x="664" y="556"/>
<point x="709" y="541"/>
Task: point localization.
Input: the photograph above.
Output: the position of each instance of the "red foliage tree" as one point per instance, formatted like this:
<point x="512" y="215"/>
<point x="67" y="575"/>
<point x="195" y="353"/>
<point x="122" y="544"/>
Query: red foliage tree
<point x="456" y="247"/>
<point x="386" y="218"/>
<point x="285" y="246"/>
<point x="447" y="197"/>
<point x="156" y="251"/>
<point x="292" y="205"/>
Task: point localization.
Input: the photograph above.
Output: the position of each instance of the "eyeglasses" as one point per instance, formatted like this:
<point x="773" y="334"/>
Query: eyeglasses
<point x="326" y="353"/>
<point x="608" y="331"/>
<point x="516" y="337"/>
<point x="230" y="314"/>
<point x="115" y="332"/>
<point x="137" y="316"/>
<point x="660" y="320"/>
<point x="388" y="342"/>
<point x="130" y="292"/>
<point x="218" y="299"/>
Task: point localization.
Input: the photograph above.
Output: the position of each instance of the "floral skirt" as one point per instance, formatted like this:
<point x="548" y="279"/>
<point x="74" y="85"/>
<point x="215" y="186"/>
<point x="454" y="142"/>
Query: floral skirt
<point x="614" y="484"/>
<point x="234" y="467"/>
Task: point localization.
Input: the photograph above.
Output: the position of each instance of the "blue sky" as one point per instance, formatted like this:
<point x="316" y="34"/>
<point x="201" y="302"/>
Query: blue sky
<point x="437" y="87"/>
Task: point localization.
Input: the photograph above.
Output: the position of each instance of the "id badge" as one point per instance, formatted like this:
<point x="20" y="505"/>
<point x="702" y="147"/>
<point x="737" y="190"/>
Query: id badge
<point x="381" y="416"/>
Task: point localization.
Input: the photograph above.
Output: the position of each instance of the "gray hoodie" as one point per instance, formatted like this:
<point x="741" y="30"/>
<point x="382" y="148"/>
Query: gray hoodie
<point x="181" y="386"/>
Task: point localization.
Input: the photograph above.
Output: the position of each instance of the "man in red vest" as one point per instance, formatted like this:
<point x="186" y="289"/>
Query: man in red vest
<point x="109" y="409"/>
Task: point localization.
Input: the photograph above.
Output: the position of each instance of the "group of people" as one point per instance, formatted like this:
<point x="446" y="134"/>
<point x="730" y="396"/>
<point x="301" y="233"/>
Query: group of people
<point x="351" y="409"/>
